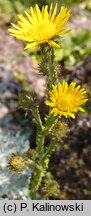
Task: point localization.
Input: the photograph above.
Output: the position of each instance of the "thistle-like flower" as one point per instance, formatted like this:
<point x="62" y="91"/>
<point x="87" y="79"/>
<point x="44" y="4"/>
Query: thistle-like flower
<point x="17" y="163"/>
<point x="66" y="100"/>
<point x="41" y="26"/>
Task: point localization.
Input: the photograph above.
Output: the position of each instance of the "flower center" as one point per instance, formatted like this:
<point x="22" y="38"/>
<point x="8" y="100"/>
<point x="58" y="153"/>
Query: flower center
<point x="65" y="103"/>
<point x="43" y="31"/>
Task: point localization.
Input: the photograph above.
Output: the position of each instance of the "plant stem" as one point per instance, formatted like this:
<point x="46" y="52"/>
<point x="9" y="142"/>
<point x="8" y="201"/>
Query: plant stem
<point x="40" y="139"/>
<point x="43" y="156"/>
<point x="35" y="182"/>
<point x="49" y="150"/>
<point x="47" y="67"/>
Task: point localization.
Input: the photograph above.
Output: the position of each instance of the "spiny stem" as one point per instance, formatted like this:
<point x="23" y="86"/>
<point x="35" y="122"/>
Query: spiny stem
<point x="43" y="155"/>
<point x="50" y="120"/>
<point x="49" y="150"/>
<point x="38" y="173"/>
<point x="40" y="139"/>
<point x="36" y="179"/>
<point x="47" y="67"/>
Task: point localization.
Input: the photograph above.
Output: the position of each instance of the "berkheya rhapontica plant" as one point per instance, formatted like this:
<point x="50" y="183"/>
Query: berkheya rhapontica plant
<point x="43" y="28"/>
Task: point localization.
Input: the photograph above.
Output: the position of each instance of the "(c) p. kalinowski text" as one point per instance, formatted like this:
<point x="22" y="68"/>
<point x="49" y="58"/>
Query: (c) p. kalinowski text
<point x="48" y="207"/>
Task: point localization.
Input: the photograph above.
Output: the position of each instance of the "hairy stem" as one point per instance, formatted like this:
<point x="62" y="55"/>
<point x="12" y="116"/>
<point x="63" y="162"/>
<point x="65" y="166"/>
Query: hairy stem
<point x="43" y="156"/>
<point x="47" y="67"/>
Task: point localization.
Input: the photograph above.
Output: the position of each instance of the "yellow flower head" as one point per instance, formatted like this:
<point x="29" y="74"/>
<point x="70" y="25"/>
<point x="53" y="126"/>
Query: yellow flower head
<point x="66" y="100"/>
<point x="41" y="26"/>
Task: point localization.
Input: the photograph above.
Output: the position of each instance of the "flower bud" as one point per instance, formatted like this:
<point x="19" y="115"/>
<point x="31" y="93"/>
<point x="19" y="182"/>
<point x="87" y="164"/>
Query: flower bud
<point x="17" y="163"/>
<point x="60" y="130"/>
<point x="50" y="188"/>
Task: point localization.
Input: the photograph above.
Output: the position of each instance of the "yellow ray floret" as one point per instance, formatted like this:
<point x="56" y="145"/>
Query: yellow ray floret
<point x="66" y="100"/>
<point x="41" y="26"/>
